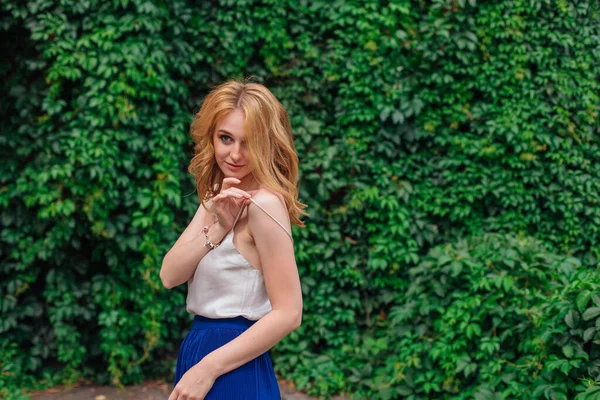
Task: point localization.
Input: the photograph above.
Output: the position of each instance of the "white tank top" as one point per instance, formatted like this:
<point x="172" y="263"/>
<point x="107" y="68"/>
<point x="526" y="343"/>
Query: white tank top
<point x="226" y="285"/>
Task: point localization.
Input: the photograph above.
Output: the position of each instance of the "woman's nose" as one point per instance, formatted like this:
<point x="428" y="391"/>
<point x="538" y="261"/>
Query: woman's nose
<point x="235" y="152"/>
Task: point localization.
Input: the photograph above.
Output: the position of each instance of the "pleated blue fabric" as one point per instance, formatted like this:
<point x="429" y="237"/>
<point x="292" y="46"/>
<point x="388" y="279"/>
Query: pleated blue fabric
<point x="253" y="380"/>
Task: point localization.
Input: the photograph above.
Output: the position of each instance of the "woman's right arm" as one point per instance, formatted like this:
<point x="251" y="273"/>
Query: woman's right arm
<point x="180" y="263"/>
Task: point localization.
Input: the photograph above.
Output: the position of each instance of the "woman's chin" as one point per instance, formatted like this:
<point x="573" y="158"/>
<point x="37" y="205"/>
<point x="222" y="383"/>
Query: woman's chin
<point x="238" y="175"/>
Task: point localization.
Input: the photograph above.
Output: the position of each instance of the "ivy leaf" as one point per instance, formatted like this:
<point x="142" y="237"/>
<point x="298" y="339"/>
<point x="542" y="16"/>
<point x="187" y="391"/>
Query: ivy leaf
<point x="539" y="390"/>
<point x="444" y="259"/>
<point x="563" y="365"/>
<point x="587" y="395"/>
<point x="385" y="113"/>
<point x="462" y="364"/>
<point x="591" y="313"/>
<point x="397" y="117"/>
<point x="588" y="334"/>
<point x="582" y="300"/>
<point x="572" y="319"/>
<point x="456" y="268"/>
<point x="568" y="351"/>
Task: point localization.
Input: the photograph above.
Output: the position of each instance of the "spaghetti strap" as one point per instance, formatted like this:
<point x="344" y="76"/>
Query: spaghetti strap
<point x="274" y="219"/>
<point x="237" y="216"/>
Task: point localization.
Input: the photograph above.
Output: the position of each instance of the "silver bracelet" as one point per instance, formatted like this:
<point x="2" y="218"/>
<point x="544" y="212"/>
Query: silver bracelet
<point x="208" y="243"/>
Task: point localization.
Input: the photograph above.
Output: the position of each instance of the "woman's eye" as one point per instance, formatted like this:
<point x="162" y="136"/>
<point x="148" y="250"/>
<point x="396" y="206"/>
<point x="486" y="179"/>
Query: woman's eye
<point x="223" y="137"/>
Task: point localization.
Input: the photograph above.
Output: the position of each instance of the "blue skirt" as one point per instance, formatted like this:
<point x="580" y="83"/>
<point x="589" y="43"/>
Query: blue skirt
<point x="253" y="380"/>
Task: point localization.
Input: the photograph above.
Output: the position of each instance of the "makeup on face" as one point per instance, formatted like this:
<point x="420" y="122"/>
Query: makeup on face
<point x="234" y="167"/>
<point x="230" y="145"/>
<point x="226" y="138"/>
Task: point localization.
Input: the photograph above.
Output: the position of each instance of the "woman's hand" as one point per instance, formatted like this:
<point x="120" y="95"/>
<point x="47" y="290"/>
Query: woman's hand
<point x="227" y="203"/>
<point x="195" y="383"/>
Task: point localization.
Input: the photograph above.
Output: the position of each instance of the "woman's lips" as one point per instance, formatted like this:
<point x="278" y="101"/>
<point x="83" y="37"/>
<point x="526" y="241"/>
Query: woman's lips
<point x="234" y="166"/>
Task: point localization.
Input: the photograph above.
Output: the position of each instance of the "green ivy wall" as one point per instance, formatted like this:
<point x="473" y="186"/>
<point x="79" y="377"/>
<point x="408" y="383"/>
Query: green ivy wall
<point x="450" y="158"/>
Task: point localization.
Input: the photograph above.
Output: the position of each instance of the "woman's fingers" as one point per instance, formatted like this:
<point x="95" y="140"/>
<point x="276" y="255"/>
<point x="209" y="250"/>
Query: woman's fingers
<point x="224" y="196"/>
<point x="240" y="191"/>
<point x="229" y="182"/>
<point x="231" y="192"/>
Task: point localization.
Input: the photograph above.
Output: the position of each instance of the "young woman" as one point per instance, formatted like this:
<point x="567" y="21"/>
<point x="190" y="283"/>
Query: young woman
<point x="237" y="253"/>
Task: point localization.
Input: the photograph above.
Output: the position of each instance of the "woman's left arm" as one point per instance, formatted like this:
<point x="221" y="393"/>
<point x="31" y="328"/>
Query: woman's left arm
<point x="276" y="251"/>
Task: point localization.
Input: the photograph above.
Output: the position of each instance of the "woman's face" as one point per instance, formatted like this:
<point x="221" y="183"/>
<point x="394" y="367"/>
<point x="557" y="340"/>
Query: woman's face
<point x="230" y="146"/>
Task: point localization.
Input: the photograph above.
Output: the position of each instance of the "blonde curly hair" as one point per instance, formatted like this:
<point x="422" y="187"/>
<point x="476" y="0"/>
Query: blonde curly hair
<point x="269" y="137"/>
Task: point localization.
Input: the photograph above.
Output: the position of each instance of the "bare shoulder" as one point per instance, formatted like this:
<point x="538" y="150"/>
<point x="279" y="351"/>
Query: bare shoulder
<point x="268" y="198"/>
<point x="273" y="204"/>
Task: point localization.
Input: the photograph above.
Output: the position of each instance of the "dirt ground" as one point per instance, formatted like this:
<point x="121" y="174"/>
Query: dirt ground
<point x="149" y="390"/>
